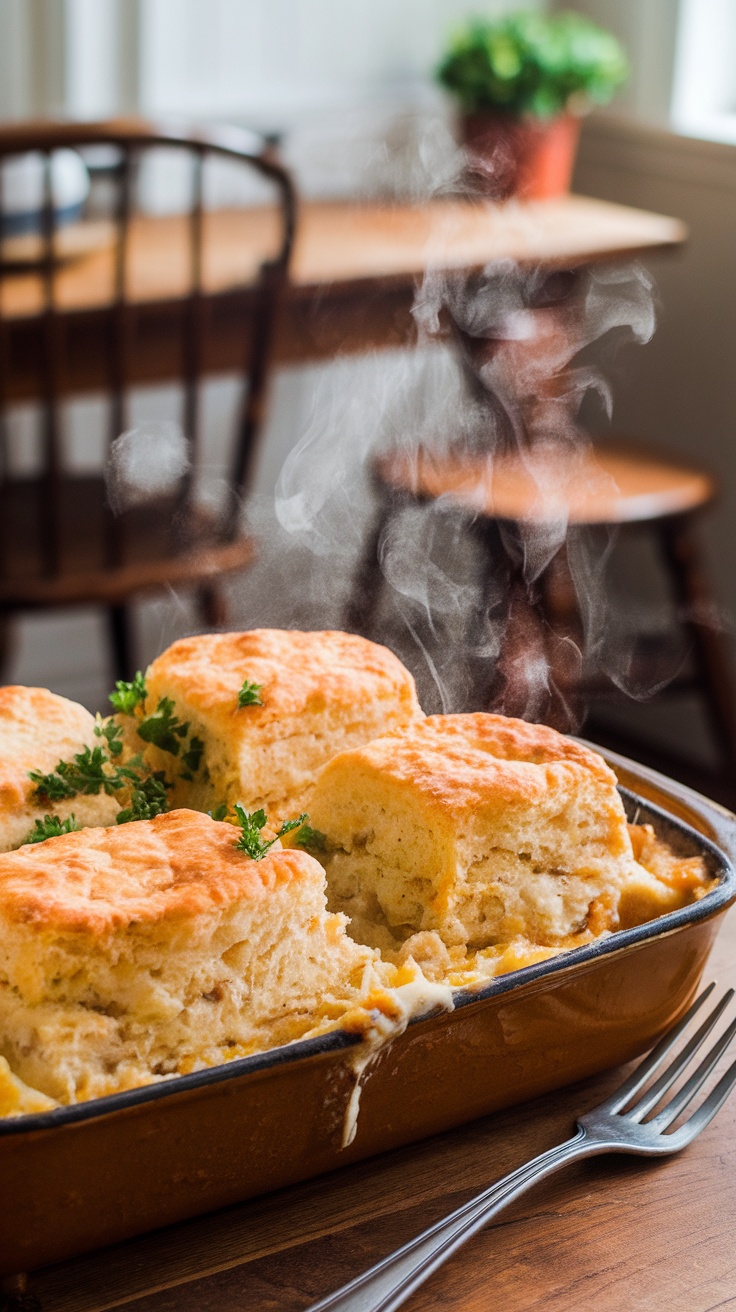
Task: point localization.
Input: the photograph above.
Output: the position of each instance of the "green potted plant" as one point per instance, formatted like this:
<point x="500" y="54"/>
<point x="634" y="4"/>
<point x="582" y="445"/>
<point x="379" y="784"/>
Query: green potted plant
<point x="522" y="82"/>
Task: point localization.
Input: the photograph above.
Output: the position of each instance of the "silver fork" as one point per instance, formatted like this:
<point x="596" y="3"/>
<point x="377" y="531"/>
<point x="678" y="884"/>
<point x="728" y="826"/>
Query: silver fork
<point x="616" y="1126"/>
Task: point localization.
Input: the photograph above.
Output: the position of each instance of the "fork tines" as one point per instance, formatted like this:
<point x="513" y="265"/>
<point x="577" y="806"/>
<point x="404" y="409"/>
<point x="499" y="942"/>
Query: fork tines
<point x="633" y="1111"/>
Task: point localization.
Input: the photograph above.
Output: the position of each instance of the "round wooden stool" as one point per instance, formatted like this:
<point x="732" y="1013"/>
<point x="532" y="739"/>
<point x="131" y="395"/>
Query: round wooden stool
<point x="553" y="487"/>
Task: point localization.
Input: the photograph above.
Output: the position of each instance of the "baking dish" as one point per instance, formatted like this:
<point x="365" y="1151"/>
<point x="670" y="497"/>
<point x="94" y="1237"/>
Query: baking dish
<point x="81" y="1177"/>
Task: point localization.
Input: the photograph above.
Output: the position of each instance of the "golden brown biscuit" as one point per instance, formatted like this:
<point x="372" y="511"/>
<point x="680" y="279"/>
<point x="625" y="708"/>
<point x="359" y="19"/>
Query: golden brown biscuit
<point x="37" y="730"/>
<point x="481" y="828"/>
<point x="320" y="693"/>
<point x="136" y="952"/>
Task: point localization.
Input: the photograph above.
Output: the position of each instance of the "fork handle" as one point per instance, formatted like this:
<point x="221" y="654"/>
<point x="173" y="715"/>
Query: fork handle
<point x="386" y="1285"/>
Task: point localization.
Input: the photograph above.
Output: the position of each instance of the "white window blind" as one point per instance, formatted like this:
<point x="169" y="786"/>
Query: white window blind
<point x="704" y="91"/>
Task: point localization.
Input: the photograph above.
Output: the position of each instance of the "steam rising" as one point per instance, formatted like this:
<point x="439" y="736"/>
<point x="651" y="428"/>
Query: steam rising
<point x="145" y="463"/>
<point x="499" y="373"/>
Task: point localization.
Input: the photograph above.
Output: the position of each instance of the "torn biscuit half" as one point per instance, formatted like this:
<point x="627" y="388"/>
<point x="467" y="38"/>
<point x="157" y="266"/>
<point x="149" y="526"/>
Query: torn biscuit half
<point x="478" y="828"/>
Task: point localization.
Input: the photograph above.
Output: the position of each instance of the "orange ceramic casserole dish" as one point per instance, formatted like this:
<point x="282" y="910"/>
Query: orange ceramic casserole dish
<point x="80" y="1177"/>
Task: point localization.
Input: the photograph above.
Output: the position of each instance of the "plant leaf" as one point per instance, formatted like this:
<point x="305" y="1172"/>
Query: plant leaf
<point x="51" y="827"/>
<point x="250" y="694"/>
<point x="127" y="696"/>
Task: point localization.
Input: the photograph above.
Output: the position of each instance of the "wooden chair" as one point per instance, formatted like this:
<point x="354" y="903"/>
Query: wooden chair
<point x="61" y="544"/>
<point x="614" y="485"/>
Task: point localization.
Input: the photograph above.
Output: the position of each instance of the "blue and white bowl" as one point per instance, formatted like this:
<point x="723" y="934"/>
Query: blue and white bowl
<point x="22" y="191"/>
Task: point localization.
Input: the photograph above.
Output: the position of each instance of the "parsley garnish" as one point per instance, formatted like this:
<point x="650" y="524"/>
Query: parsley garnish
<point x="51" y="827"/>
<point x="311" y="838"/>
<point x="148" y="799"/>
<point x="192" y="757"/>
<point x="164" y="728"/>
<point x="84" y="774"/>
<point x="250" y="840"/>
<point x="113" y="735"/>
<point x="250" y="694"/>
<point x="54" y="786"/>
<point x="219" y="812"/>
<point x="127" y="696"/>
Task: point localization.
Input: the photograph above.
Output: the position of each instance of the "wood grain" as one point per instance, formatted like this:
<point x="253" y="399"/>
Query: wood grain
<point x="614" y="1234"/>
<point x="354" y="273"/>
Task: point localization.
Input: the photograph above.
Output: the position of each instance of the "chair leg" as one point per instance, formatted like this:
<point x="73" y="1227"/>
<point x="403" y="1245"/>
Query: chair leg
<point x="559" y="610"/>
<point x="487" y="680"/>
<point x="121" y="640"/>
<point x="213" y="607"/>
<point x="537" y="671"/>
<point x="365" y="593"/>
<point x="683" y="556"/>
<point x="7" y="635"/>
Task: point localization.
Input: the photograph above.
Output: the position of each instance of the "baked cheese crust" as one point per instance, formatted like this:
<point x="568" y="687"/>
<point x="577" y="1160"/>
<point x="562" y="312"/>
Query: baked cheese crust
<point x="37" y="730"/>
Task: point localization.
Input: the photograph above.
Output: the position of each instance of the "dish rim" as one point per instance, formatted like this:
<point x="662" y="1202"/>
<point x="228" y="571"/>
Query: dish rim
<point x="715" y="900"/>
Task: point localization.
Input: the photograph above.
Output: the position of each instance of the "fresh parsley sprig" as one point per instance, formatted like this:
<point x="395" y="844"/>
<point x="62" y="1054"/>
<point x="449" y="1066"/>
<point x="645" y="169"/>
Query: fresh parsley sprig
<point x="55" y="786"/>
<point x="112" y="733"/>
<point x="127" y="696"/>
<point x="192" y="758"/>
<point x="312" y="839"/>
<point x="85" y="773"/>
<point x="164" y="728"/>
<point x="250" y="694"/>
<point x="250" y="840"/>
<point x="218" y="812"/>
<point x="148" y="798"/>
<point x="51" y="827"/>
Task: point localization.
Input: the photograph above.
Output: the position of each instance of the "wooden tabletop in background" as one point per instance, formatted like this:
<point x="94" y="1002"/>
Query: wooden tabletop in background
<point x="612" y="1234"/>
<point x="354" y="276"/>
<point x="341" y="242"/>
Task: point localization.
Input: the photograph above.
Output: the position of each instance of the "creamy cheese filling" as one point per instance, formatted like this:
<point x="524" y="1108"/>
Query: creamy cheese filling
<point x="416" y="973"/>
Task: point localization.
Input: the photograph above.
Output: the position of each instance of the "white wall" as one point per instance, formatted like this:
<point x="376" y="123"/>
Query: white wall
<point x="260" y="59"/>
<point x="648" y="30"/>
<point x="679" y="392"/>
<point x="275" y="58"/>
<point x="33" y="78"/>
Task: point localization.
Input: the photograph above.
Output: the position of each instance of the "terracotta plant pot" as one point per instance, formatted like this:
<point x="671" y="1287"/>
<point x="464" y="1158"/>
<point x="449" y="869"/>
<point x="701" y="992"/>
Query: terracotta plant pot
<point x="530" y="158"/>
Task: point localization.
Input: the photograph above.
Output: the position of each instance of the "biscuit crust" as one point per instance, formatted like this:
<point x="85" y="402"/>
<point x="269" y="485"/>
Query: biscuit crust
<point x="476" y="826"/>
<point x="299" y="671"/>
<point x="180" y="866"/>
<point x="321" y="692"/>
<point x="133" y="953"/>
<point x="37" y="730"/>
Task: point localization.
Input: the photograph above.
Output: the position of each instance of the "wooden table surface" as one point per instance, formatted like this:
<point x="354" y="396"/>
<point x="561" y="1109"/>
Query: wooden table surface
<point x="345" y="243"/>
<point x="612" y="1234"/>
<point x="354" y="275"/>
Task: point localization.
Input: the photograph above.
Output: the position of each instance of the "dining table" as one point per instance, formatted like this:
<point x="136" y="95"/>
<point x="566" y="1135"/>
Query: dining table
<point x="354" y="276"/>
